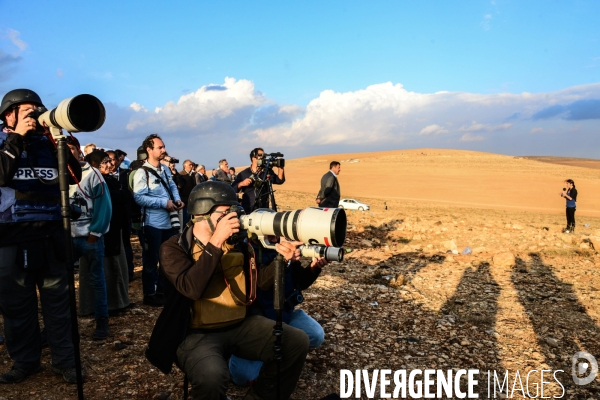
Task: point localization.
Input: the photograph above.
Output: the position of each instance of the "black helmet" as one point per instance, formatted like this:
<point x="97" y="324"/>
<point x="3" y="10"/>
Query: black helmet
<point x="141" y="153"/>
<point x="206" y="195"/>
<point x="18" y="96"/>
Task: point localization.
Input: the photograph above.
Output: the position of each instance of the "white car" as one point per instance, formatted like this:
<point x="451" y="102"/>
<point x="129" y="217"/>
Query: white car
<point x="351" y="204"/>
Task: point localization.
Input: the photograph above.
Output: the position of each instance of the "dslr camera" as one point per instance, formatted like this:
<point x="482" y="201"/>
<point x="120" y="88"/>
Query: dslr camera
<point x="171" y="160"/>
<point x="271" y="160"/>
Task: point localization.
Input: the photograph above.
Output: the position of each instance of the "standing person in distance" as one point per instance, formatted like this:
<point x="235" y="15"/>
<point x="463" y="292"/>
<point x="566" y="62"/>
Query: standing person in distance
<point x="32" y="245"/>
<point x="187" y="181"/>
<point x="246" y="182"/>
<point x="329" y="195"/>
<point x="223" y="174"/>
<point x="156" y="192"/>
<point x="570" y="195"/>
<point x="200" y="175"/>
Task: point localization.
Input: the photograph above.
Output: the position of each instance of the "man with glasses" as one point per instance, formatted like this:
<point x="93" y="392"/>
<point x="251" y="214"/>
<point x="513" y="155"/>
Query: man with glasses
<point x="255" y="193"/>
<point x="91" y="195"/>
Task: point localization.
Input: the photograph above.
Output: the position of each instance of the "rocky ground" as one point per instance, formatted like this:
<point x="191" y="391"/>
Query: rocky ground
<point x="405" y="297"/>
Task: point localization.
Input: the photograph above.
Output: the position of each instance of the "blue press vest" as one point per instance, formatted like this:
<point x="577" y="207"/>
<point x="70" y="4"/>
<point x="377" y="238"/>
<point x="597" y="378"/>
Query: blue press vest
<point x="35" y="201"/>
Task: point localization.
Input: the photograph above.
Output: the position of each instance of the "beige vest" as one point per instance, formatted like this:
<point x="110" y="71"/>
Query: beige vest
<point x="225" y="299"/>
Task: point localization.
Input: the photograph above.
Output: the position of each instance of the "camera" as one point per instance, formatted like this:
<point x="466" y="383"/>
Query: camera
<point x="82" y="113"/>
<point x="322" y="230"/>
<point x="171" y="160"/>
<point x="271" y="160"/>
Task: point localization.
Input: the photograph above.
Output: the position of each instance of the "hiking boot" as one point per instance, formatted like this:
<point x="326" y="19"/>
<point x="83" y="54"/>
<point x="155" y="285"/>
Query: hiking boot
<point x="153" y="301"/>
<point x="101" y="331"/>
<point x="16" y="375"/>
<point x="68" y="374"/>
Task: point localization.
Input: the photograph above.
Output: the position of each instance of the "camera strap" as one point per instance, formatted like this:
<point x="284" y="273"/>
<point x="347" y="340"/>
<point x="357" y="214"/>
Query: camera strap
<point x="162" y="181"/>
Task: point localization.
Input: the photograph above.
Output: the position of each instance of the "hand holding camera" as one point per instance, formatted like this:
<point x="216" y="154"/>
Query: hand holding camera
<point x="288" y="249"/>
<point x="225" y="228"/>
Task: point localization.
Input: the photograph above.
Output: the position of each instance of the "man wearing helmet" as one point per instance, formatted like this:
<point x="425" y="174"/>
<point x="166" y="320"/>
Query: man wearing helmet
<point x="205" y="319"/>
<point x="32" y="248"/>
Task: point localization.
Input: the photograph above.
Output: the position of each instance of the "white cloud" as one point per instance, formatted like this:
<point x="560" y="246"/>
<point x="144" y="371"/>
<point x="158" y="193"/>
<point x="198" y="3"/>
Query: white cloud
<point x="536" y="130"/>
<point x="137" y="107"/>
<point x="469" y="137"/>
<point x="475" y="127"/>
<point x="14" y="37"/>
<point x="208" y="109"/>
<point x="380" y="116"/>
<point x="433" y="130"/>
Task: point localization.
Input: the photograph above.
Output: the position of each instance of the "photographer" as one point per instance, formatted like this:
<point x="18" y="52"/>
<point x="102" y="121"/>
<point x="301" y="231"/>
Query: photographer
<point x="248" y="182"/>
<point x="32" y="246"/>
<point x="156" y="192"/>
<point x="205" y="318"/>
<point x="570" y="195"/>
<point x="296" y="278"/>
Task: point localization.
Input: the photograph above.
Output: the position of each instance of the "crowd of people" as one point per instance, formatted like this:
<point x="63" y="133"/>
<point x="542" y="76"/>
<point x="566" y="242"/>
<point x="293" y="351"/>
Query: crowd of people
<point x="216" y="291"/>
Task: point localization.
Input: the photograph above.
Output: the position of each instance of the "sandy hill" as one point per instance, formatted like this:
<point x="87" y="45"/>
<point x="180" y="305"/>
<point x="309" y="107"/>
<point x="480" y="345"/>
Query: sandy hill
<point x="452" y="177"/>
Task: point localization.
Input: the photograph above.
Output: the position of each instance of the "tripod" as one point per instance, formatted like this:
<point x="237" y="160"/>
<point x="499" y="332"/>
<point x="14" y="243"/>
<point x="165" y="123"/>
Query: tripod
<point x="63" y="181"/>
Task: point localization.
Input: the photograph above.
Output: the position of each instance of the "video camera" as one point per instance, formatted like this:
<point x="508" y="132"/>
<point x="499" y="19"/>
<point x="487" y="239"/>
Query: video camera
<point x="271" y="160"/>
<point x="322" y="230"/>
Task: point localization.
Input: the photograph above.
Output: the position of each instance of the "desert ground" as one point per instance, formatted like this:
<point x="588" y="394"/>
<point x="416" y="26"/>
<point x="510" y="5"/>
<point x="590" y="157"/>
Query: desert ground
<point x="405" y="297"/>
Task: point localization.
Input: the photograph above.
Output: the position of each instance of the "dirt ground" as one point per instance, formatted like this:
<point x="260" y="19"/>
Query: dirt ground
<point x="526" y="298"/>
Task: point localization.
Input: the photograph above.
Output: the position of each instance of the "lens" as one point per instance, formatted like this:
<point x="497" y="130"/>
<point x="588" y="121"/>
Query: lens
<point x="82" y="113"/>
<point x="324" y="226"/>
<point x="329" y="253"/>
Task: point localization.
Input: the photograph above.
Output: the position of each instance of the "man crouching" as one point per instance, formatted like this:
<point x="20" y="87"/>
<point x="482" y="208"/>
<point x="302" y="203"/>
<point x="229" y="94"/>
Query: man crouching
<point x="205" y="320"/>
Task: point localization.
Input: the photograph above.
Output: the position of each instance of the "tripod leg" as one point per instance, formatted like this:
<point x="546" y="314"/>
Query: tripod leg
<point x="63" y="174"/>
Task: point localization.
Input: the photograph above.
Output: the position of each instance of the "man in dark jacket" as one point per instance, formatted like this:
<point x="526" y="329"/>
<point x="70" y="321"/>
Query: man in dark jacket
<point x="206" y="331"/>
<point x="255" y="194"/>
<point x="187" y="182"/>
<point x="329" y="195"/>
<point x="32" y="247"/>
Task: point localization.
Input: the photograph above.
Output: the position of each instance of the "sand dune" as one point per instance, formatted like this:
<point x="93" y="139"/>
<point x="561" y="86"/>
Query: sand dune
<point x="451" y="177"/>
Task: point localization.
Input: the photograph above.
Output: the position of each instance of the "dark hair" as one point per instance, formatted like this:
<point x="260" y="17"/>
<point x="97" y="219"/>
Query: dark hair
<point x="254" y="152"/>
<point x="95" y="158"/>
<point x="232" y="169"/>
<point x="149" y="141"/>
<point x="333" y="164"/>
<point x="119" y="153"/>
<point x="113" y="152"/>
<point x="136" y="164"/>
<point x="571" y="182"/>
<point x="72" y="140"/>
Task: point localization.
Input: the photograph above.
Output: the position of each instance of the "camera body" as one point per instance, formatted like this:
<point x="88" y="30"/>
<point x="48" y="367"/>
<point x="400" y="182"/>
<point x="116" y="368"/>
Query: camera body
<point x="172" y="160"/>
<point x="271" y="160"/>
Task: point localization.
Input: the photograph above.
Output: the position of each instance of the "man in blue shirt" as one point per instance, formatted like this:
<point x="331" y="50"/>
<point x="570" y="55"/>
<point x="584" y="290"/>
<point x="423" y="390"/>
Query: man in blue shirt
<point x="156" y="192"/>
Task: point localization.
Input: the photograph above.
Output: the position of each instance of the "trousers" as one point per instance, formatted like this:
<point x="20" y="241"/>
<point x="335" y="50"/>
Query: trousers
<point x="19" y="306"/>
<point x="243" y="372"/>
<point x="202" y="356"/>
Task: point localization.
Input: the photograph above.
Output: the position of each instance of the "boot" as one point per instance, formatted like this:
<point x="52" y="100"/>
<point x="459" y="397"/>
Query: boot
<point x="101" y="331"/>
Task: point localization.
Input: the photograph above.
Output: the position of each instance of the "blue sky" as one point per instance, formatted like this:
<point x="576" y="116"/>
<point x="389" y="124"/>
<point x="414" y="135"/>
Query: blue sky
<point x="218" y="78"/>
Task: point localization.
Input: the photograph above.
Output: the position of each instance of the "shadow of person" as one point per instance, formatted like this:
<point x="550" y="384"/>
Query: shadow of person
<point x="474" y="306"/>
<point x="558" y="317"/>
